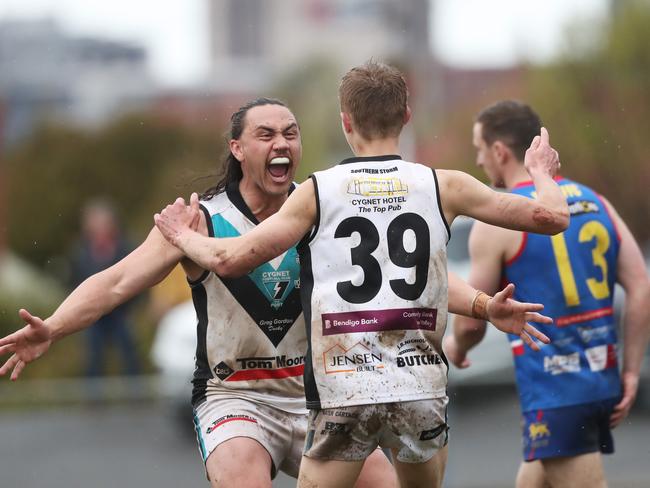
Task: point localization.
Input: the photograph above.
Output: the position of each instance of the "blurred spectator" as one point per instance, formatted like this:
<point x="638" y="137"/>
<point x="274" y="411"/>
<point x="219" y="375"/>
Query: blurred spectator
<point x="101" y="246"/>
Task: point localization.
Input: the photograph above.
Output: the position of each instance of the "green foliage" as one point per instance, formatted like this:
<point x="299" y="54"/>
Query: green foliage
<point x="138" y="163"/>
<point x="312" y="94"/>
<point x="595" y="105"/>
<point x="21" y="285"/>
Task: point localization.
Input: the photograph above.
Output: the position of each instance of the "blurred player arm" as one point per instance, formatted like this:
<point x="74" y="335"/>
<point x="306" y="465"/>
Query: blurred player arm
<point x="506" y="314"/>
<point x="633" y="277"/>
<point x="147" y="265"/>
<point x="484" y="275"/>
<point x="547" y="214"/>
<point x="236" y="256"/>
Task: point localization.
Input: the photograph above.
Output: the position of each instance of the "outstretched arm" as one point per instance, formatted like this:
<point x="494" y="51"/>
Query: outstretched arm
<point x="144" y="267"/>
<point x="236" y="256"/>
<point x="508" y="315"/>
<point x="461" y="194"/>
<point x="632" y="276"/>
<point x="486" y="253"/>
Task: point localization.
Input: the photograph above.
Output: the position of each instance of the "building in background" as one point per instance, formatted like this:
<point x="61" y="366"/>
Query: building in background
<point x="46" y="73"/>
<point x="254" y="43"/>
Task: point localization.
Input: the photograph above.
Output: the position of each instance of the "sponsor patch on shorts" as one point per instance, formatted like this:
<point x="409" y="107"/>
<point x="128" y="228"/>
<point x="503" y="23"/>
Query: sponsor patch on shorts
<point x="427" y="435"/>
<point x="229" y="418"/>
<point x="335" y="428"/>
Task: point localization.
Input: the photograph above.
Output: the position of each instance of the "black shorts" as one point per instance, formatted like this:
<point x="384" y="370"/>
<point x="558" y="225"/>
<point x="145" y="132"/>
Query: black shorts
<point x="568" y="431"/>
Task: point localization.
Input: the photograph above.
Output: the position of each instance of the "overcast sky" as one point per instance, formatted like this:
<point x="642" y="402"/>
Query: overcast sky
<point x="468" y="33"/>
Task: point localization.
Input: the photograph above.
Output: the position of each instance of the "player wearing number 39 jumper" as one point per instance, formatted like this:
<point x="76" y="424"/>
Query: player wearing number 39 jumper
<point x="372" y="234"/>
<point x="375" y="270"/>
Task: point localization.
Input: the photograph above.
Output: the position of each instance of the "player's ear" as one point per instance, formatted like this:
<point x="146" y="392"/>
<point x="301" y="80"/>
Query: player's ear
<point x="346" y="122"/>
<point x="407" y="115"/>
<point x="236" y="150"/>
<point x="500" y="151"/>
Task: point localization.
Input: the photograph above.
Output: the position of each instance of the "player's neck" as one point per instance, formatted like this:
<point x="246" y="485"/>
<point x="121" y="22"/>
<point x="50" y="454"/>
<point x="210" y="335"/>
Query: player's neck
<point x="376" y="147"/>
<point x="261" y="204"/>
<point x="516" y="174"/>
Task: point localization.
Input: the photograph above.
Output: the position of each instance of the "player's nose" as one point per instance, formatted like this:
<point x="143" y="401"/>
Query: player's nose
<point x="280" y="143"/>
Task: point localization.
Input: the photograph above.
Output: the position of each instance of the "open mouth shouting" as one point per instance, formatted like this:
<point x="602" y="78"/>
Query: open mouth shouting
<point x="278" y="169"/>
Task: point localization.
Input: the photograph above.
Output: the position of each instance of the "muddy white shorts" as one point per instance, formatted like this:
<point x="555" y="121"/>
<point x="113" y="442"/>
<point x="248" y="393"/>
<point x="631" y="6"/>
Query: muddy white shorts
<point x="415" y="430"/>
<point x="281" y="433"/>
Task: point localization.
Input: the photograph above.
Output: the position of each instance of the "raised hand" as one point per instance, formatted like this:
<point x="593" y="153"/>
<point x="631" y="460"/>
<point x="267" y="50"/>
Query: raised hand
<point x="177" y="218"/>
<point x="25" y="345"/>
<point x="512" y="317"/>
<point x="541" y="157"/>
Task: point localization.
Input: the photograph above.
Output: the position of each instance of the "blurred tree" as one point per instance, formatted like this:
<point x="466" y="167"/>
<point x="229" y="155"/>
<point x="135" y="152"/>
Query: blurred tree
<point x="595" y="101"/>
<point x="311" y="92"/>
<point x="137" y="162"/>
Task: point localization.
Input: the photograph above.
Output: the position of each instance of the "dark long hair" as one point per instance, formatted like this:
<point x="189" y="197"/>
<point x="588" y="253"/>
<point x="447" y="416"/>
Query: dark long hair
<point x="231" y="167"/>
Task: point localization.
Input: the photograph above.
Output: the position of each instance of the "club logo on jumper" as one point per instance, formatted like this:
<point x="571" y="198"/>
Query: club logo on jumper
<point x="370" y="186"/>
<point x="601" y="357"/>
<point x="427" y="435"/>
<point x="229" y="418"/>
<point x="334" y="428"/>
<point x="558" y="364"/>
<point x="357" y="359"/>
<point x="379" y="320"/>
<point x="276" y="283"/>
<point x="222" y="371"/>
<point x="537" y="430"/>
<point x="270" y="293"/>
<point x="275" y="279"/>
<point x="581" y="207"/>
<point x="589" y="334"/>
<point x="416" y="352"/>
